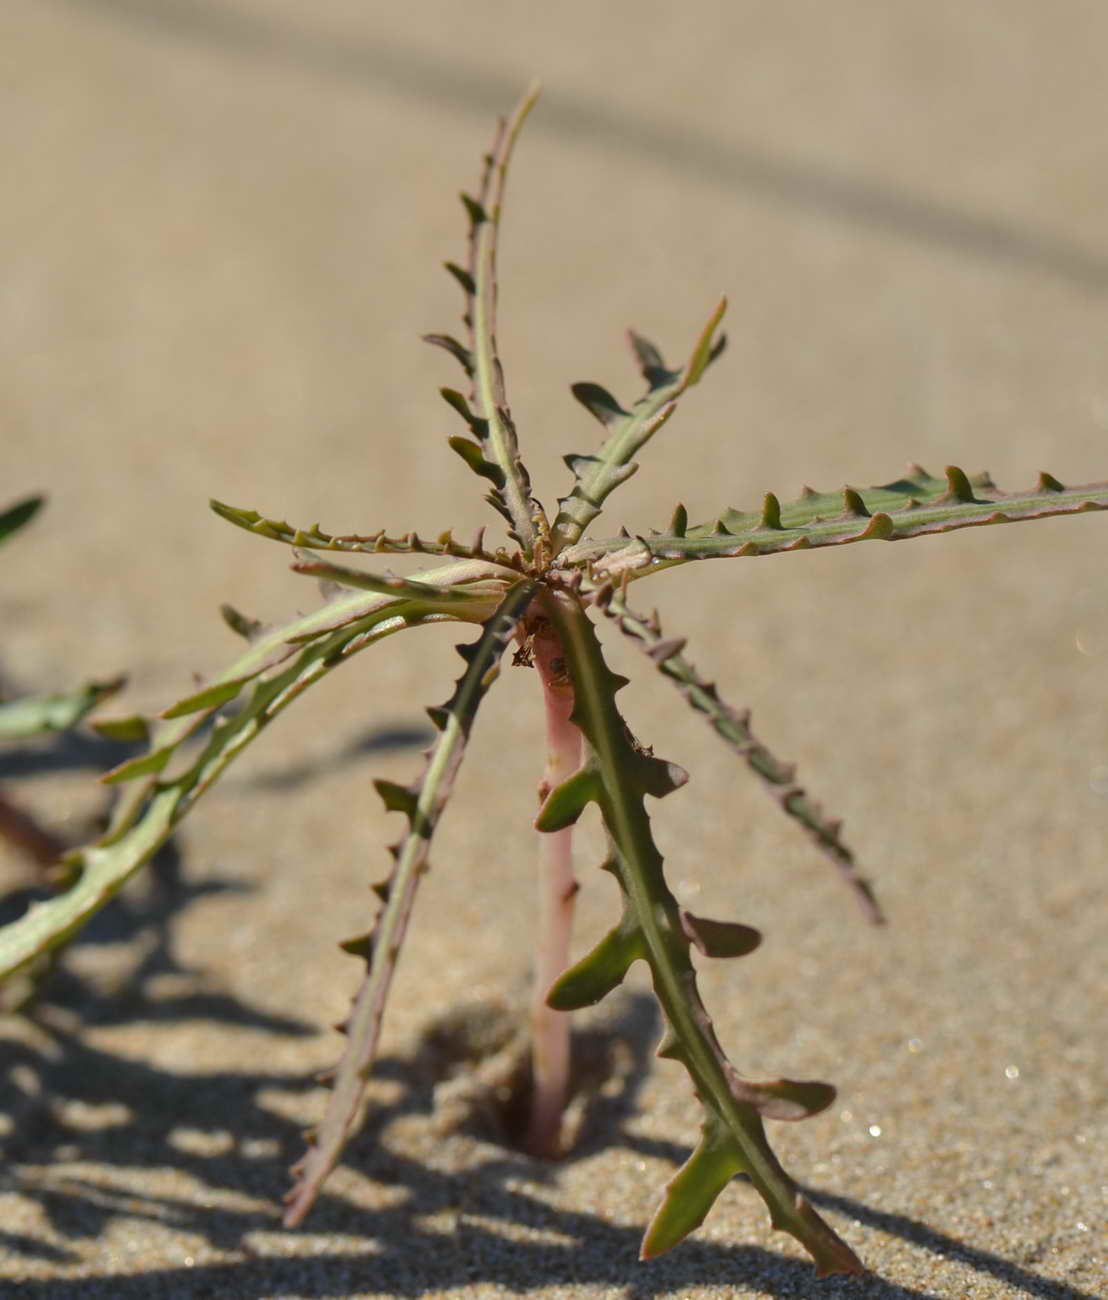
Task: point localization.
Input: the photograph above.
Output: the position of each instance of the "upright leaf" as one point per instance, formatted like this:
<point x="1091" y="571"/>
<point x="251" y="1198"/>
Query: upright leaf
<point x="597" y="476"/>
<point x="422" y="804"/>
<point x="495" y="454"/>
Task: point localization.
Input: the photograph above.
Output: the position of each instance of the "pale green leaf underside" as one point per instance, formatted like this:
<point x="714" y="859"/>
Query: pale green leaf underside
<point x="422" y="803"/>
<point x="598" y="475"/>
<point x="915" y="506"/>
<point x="277" y="669"/>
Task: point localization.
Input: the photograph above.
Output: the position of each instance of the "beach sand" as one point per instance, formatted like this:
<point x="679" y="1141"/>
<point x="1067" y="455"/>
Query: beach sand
<point x="222" y="226"/>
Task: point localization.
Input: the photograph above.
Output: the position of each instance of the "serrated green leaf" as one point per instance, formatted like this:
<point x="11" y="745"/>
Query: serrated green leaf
<point x="423" y="806"/>
<point x="735" y="1137"/>
<point x="143" y="821"/>
<point x="490" y="419"/>
<point x="916" y="506"/>
<point x="733" y="727"/>
<point x="596" y="477"/>
<point x="315" y="539"/>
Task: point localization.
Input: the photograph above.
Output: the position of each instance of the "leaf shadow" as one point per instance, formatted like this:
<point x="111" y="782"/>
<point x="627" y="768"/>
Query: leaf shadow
<point x="436" y="1229"/>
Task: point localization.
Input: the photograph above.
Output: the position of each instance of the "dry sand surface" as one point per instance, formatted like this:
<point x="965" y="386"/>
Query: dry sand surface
<point x="221" y="226"/>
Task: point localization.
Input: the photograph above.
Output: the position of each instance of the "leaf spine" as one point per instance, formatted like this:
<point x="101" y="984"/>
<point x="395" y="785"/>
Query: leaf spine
<point x="771" y="512"/>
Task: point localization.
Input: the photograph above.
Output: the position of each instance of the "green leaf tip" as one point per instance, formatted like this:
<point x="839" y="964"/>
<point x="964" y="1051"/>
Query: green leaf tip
<point x="596" y="477"/>
<point x="211" y="697"/>
<point x="19" y="515"/>
<point x="567" y="801"/>
<point x="591" y="979"/>
<point x="691" y="1193"/>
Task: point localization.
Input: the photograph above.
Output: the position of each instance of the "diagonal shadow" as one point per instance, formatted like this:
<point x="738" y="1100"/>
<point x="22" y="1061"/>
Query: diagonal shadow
<point x="820" y="191"/>
<point x="438" y="1232"/>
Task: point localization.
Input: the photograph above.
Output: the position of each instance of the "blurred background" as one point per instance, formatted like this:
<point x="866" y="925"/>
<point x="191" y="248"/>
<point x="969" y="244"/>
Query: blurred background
<point x="220" y="239"/>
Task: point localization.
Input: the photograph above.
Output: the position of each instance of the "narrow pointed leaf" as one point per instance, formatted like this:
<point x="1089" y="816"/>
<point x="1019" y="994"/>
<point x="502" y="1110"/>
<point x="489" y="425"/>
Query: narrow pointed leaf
<point x="599" y="403"/>
<point x="917" y="505"/>
<point x="315" y="539"/>
<point x="692" y="1191"/>
<point x="735" y="1139"/>
<point x="734" y="729"/>
<point x="597" y="477"/>
<point x="452" y="597"/>
<point x="490" y="419"/>
<point x="279" y="672"/>
<point x="381" y="947"/>
<point x="17" y="516"/>
<point x="601" y="971"/>
<point x="211" y="697"/>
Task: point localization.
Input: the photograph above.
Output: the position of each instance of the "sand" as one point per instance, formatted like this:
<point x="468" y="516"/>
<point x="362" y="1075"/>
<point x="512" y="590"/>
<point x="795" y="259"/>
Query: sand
<point x="221" y="230"/>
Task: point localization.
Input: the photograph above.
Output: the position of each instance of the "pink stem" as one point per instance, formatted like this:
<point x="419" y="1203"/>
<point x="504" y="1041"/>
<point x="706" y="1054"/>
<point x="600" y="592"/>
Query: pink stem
<point x="557" y="887"/>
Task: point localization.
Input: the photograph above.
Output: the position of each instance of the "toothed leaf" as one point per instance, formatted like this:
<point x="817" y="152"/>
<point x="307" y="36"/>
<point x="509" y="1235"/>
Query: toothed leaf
<point x="142" y="821"/>
<point x="916" y="506"/>
<point x="735" y="1139"/>
<point x="422" y="806"/>
<point x="315" y="539"/>
<point x="490" y="419"/>
<point x="596" y="477"/>
<point x="734" y="729"/>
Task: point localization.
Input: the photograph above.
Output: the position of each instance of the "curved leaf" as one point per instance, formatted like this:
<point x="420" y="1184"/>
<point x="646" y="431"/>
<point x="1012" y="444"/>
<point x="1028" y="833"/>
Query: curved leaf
<point x="734" y="729"/>
<point x="734" y="1138"/>
<point x="599" y="475"/>
<point x="279" y="673"/>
